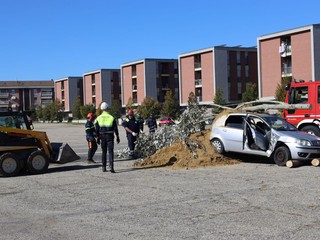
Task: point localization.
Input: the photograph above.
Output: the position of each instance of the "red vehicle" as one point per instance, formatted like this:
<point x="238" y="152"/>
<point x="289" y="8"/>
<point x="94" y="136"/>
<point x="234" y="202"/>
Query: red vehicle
<point x="307" y="120"/>
<point x="166" y="121"/>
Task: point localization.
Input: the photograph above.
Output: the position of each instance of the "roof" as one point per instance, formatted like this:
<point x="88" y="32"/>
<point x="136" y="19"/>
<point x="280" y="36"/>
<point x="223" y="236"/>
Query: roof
<point x="27" y="84"/>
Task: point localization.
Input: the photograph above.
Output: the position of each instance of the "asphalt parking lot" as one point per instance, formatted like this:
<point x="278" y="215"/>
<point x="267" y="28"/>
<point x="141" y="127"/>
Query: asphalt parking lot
<point x="252" y="200"/>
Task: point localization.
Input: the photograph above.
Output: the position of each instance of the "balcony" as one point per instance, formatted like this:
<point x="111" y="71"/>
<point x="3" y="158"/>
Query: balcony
<point x="4" y="103"/>
<point x="198" y="83"/>
<point x="197" y="65"/>
<point x="134" y="88"/>
<point x="46" y="94"/>
<point x="165" y="86"/>
<point x="285" y="50"/>
<point x="4" y="95"/>
<point x="286" y="71"/>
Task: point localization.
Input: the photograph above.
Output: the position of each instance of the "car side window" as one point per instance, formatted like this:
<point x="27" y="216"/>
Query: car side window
<point x="234" y="121"/>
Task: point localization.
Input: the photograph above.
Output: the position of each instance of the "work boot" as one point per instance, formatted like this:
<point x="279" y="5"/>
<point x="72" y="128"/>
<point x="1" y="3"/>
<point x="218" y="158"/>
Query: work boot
<point x="104" y="169"/>
<point x="112" y="170"/>
<point x="91" y="162"/>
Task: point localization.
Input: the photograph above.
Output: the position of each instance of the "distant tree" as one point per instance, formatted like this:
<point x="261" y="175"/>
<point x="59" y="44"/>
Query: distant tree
<point x="251" y="93"/>
<point x="129" y="104"/>
<point x="76" y="113"/>
<point x="170" y="106"/>
<point x="86" y="109"/>
<point x="218" y="99"/>
<point x="46" y="112"/>
<point x="33" y="114"/>
<point x="56" y="111"/>
<point x="115" y="108"/>
<point x="280" y="94"/>
<point x="39" y="112"/>
<point x="148" y="107"/>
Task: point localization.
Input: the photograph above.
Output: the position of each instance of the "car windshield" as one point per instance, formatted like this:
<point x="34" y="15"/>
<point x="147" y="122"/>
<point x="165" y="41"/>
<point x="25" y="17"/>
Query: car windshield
<point x="279" y="124"/>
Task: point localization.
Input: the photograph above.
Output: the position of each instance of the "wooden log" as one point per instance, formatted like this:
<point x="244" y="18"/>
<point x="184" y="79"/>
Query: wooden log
<point x="293" y="163"/>
<point x="315" y="162"/>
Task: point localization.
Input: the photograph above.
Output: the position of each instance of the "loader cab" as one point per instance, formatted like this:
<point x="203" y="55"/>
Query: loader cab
<point x="20" y="120"/>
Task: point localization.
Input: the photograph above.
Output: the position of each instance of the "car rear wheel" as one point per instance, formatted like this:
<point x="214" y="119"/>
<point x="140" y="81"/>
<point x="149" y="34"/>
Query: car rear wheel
<point x="218" y="145"/>
<point x="281" y="155"/>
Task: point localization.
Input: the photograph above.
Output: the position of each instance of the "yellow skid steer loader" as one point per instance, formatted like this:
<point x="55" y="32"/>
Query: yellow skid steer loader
<point x="28" y="149"/>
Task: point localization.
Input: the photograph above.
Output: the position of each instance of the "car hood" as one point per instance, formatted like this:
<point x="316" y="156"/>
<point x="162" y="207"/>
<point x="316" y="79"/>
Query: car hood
<point x="296" y="135"/>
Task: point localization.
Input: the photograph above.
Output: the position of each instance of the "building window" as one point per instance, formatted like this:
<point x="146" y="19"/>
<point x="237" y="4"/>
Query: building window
<point x="134" y="70"/>
<point x="238" y="58"/>
<point x="93" y="79"/>
<point x="246" y="58"/>
<point x="239" y="71"/>
<point x="197" y="61"/>
<point x="93" y="89"/>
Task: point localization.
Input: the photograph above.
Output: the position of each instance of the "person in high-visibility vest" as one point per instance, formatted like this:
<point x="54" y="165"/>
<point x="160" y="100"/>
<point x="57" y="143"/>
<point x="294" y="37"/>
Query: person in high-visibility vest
<point x="106" y="128"/>
<point x="90" y="136"/>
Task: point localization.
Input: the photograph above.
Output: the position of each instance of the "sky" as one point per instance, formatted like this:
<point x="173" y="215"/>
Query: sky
<point x="54" y="39"/>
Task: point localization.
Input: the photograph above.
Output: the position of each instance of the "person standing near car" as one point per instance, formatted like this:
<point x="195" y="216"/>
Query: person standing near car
<point x="132" y="127"/>
<point x="152" y="124"/>
<point x="90" y="136"/>
<point x="106" y="128"/>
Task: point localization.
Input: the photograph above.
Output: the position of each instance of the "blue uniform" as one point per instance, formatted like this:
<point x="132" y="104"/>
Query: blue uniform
<point x="90" y="136"/>
<point x="134" y="126"/>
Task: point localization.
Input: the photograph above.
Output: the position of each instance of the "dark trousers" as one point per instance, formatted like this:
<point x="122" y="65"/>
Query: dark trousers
<point x="131" y="143"/>
<point x="92" y="145"/>
<point x="107" y="145"/>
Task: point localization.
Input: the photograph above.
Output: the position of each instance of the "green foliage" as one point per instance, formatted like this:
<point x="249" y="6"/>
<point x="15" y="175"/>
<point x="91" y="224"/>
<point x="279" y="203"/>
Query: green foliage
<point x="56" y="111"/>
<point x="39" y="112"/>
<point x="170" y="106"/>
<point x="148" y="107"/>
<point x="86" y="109"/>
<point x="76" y="113"/>
<point x="218" y="99"/>
<point x="280" y="93"/>
<point x="251" y="93"/>
<point x="33" y="113"/>
<point x="115" y="108"/>
<point x="46" y="112"/>
<point x="129" y="104"/>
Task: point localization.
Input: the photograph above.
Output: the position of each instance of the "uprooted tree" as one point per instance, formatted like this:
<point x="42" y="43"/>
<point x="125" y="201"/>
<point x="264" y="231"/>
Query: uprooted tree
<point x="190" y="121"/>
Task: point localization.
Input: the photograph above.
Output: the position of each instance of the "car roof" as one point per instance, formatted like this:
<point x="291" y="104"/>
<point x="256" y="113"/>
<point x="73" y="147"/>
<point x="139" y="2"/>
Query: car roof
<point x="221" y="118"/>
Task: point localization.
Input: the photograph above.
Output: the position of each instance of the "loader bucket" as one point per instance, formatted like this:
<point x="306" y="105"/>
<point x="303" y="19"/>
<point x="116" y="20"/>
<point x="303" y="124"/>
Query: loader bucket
<point x="63" y="153"/>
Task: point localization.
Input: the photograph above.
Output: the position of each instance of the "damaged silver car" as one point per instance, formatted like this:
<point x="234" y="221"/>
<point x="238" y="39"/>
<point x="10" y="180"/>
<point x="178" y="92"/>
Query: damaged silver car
<point x="264" y="135"/>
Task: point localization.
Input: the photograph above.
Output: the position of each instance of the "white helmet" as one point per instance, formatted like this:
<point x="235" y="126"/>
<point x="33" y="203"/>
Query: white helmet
<point x="104" y="106"/>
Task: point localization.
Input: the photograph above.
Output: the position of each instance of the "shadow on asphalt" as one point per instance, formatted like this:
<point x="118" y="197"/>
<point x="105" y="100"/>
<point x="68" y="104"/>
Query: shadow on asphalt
<point x="249" y="158"/>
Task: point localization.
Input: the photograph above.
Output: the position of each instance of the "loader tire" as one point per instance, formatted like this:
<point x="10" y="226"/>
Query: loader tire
<point x="37" y="162"/>
<point x="9" y="165"/>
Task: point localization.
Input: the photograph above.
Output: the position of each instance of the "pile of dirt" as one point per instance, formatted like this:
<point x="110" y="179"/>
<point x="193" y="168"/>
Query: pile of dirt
<point x="179" y="156"/>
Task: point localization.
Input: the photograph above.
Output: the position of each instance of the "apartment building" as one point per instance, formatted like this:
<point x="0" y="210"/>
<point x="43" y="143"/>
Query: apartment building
<point x="23" y="95"/>
<point x="67" y="90"/>
<point x="228" y="68"/>
<point x="149" y="77"/>
<point x="101" y="85"/>
<point x="291" y="53"/>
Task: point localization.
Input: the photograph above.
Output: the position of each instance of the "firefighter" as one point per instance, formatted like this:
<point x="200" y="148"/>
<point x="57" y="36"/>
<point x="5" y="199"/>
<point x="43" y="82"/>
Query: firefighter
<point x="90" y="136"/>
<point x="106" y="128"/>
<point x="132" y="127"/>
